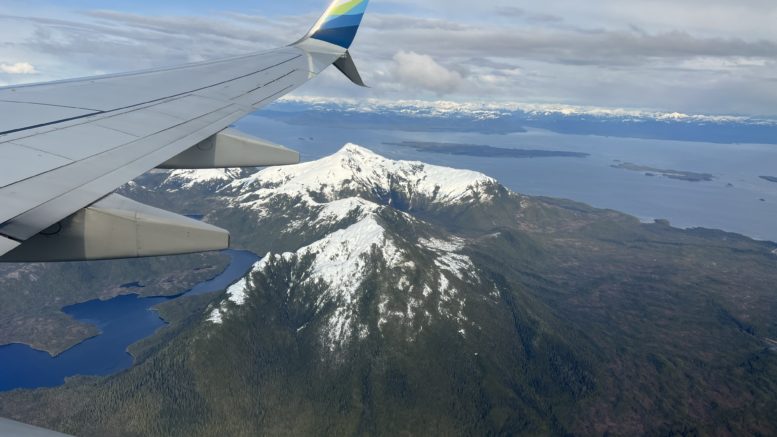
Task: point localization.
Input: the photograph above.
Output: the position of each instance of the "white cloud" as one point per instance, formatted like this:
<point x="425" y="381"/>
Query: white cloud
<point x="655" y="54"/>
<point x="423" y="72"/>
<point x="18" y="68"/>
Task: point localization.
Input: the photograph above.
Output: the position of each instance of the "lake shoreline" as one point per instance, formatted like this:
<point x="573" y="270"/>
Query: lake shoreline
<point x="123" y="321"/>
<point x="69" y="346"/>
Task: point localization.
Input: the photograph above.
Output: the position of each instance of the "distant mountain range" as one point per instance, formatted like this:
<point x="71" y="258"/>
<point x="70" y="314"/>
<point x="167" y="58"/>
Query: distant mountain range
<point x="398" y="297"/>
<point x="506" y="118"/>
<point x="500" y="109"/>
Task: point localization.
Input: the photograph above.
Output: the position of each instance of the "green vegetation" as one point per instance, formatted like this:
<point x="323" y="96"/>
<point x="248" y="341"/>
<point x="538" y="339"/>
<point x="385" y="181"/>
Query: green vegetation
<point x="583" y="322"/>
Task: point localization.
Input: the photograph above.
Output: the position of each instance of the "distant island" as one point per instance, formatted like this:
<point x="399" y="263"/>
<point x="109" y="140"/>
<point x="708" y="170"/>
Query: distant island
<point x="485" y="151"/>
<point x="770" y="178"/>
<point x="672" y="174"/>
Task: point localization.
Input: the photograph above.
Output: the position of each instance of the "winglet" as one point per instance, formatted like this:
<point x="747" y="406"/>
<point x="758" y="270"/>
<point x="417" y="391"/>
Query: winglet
<point x="339" y="23"/>
<point x="346" y="66"/>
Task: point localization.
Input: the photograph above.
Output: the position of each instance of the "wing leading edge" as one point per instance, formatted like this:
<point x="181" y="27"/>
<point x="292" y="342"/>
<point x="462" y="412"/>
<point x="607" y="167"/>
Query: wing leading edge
<point x="66" y="145"/>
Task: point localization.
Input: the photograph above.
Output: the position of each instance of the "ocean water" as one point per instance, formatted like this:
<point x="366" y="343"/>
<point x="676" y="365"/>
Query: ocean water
<point x="737" y="200"/>
<point x="122" y="321"/>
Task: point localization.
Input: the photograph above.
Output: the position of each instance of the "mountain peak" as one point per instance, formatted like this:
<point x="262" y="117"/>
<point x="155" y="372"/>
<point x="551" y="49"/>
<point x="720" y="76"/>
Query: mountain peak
<point x="355" y="171"/>
<point x="353" y="249"/>
<point x="355" y="149"/>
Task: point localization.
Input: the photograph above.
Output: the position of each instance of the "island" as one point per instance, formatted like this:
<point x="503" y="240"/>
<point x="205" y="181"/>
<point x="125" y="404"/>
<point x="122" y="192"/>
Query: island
<point x="688" y="176"/>
<point x="485" y="151"/>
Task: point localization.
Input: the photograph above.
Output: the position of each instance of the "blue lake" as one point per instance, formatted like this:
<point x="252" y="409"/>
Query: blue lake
<point x="122" y="321"/>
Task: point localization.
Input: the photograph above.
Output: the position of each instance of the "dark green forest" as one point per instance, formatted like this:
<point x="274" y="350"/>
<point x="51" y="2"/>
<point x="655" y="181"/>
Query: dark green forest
<point x="583" y="322"/>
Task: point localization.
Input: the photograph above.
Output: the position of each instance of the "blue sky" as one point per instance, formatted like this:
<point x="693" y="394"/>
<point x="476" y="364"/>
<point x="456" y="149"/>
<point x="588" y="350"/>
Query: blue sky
<point x="693" y="56"/>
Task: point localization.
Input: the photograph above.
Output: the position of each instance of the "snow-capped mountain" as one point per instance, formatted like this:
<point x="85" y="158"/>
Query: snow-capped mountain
<point x="188" y="179"/>
<point x="506" y="118"/>
<point x="492" y="110"/>
<point x="351" y="219"/>
<point x="356" y="171"/>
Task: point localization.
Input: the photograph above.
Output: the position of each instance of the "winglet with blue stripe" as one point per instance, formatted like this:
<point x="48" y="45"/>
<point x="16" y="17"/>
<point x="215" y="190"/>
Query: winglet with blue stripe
<point x="340" y="22"/>
<point x="338" y="26"/>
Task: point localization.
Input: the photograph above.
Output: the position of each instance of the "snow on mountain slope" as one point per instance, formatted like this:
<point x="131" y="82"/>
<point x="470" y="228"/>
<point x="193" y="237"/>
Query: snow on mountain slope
<point x="334" y="212"/>
<point x="419" y="277"/>
<point x="341" y="262"/>
<point x="356" y="170"/>
<point x="343" y="259"/>
<point x="187" y="179"/>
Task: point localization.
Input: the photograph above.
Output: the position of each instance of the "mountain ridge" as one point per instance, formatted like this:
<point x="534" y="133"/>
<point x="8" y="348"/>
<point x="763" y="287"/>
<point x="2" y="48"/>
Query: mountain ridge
<point x="339" y="258"/>
<point x="387" y="305"/>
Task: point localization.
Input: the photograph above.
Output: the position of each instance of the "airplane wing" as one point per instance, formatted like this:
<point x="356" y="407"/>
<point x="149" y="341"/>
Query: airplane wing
<point x="66" y="146"/>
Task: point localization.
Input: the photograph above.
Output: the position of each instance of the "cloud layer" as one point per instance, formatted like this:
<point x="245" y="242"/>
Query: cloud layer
<point x="695" y="56"/>
<point x="424" y="73"/>
<point x="18" y="68"/>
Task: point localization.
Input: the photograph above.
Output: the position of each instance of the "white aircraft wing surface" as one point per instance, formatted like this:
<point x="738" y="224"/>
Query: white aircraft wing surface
<point x="66" y="146"/>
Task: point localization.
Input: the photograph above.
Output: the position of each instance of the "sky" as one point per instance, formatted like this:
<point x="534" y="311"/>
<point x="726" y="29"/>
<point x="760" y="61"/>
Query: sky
<point x="690" y="56"/>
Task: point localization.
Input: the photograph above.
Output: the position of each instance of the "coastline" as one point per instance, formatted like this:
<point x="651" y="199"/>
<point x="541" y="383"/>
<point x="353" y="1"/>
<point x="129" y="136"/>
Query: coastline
<point x="122" y="346"/>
